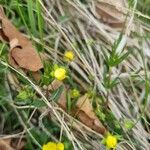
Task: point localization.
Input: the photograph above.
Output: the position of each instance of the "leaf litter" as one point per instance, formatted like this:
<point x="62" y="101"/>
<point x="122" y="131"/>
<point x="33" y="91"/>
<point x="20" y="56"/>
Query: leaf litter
<point x="21" y="54"/>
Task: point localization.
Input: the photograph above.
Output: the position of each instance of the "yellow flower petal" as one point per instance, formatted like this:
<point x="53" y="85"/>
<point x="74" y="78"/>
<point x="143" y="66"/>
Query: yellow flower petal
<point x="49" y="146"/>
<point x="60" y="146"/>
<point x="111" y="141"/>
<point x="69" y="56"/>
<point x="60" y="74"/>
<point x="44" y="147"/>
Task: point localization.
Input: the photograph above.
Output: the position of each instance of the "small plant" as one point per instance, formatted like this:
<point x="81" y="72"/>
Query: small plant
<point x="74" y="93"/>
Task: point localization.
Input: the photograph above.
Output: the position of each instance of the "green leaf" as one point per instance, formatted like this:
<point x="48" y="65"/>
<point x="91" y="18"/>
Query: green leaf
<point x="31" y="16"/>
<point x="46" y="77"/>
<point x="38" y="103"/>
<point x="3" y="101"/>
<point x="22" y="14"/>
<point x="128" y="124"/>
<point x="68" y="103"/>
<point x="3" y="68"/>
<point x="57" y="93"/>
<point x="23" y="95"/>
<point x="40" y="21"/>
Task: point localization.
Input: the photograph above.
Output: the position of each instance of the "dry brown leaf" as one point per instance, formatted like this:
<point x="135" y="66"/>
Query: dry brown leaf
<point x="22" y="54"/>
<point x="111" y="12"/>
<point x="18" y="143"/>
<point x="83" y="111"/>
<point x="2" y="14"/>
<point x="36" y="75"/>
<point x="6" y="145"/>
<point x="12" y="144"/>
<point x="84" y="104"/>
<point x="26" y="58"/>
<point x="55" y="85"/>
<point x="86" y="114"/>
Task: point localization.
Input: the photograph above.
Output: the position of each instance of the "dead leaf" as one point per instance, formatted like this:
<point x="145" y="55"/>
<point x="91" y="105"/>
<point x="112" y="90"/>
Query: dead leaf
<point x="86" y="114"/>
<point x="6" y="145"/>
<point x="12" y="144"/>
<point x="84" y="104"/>
<point x="55" y="85"/>
<point x="111" y="12"/>
<point x="18" y="143"/>
<point x="21" y="54"/>
<point x="2" y="14"/>
<point x="83" y="110"/>
<point x="36" y="75"/>
<point x="26" y="58"/>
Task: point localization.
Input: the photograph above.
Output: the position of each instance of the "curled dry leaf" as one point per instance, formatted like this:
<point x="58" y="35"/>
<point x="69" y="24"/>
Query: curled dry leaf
<point x="21" y="54"/>
<point x="12" y="144"/>
<point x="111" y="12"/>
<point x="83" y="110"/>
<point x="86" y="114"/>
<point x="26" y="58"/>
<point x="6" y="145"/>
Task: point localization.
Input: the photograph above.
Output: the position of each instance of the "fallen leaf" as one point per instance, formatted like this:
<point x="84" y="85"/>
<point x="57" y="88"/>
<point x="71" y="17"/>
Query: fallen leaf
<point x="6" y="145"/>
<point x="18" y="143"/>
<point x="2" y="14"/>
<point x="86" y="114"/>
<point x="83" y="110"/>
<point x="111" y="12"/>
<point x="26" y="58"/>
<point x="21" y="54"/>
<point x="84" y="104"/>
<point x="12" y="144"/>
<point x="36" y="75"/>
<point x="55" y="85"/>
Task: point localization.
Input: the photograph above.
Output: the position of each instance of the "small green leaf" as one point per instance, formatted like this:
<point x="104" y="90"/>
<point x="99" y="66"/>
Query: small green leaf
<point x="31" y="16"/>
<point x="128" y="124"/>
<point x="68" y="103"/>
<point x="38" y="103"/>
<point x="57" y="93"/>
<point x="23" y="95"/>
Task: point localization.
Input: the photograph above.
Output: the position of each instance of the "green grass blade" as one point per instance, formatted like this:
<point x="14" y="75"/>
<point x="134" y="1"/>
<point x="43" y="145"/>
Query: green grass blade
<point x="31" y="16"/>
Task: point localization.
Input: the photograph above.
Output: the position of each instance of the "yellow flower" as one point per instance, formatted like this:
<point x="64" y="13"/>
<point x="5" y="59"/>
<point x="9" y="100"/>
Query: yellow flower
<point x="49" y="146"/>
<point x="60" y="73"/>
<point x="53" y="146"/>
<point x="68" y="56"/>
<point x="44" y="147"/>
<point x="111" y="141"/>
<point x="60" y="146"/>
<point x="75" y="93"/>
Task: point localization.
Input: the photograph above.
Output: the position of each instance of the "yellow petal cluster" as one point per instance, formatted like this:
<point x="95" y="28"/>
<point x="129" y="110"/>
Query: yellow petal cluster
<point x="53" y="146"/>
<point x="60" y="74"/>
<point x="111" y="141"/>
<point x="68" y="56"/>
